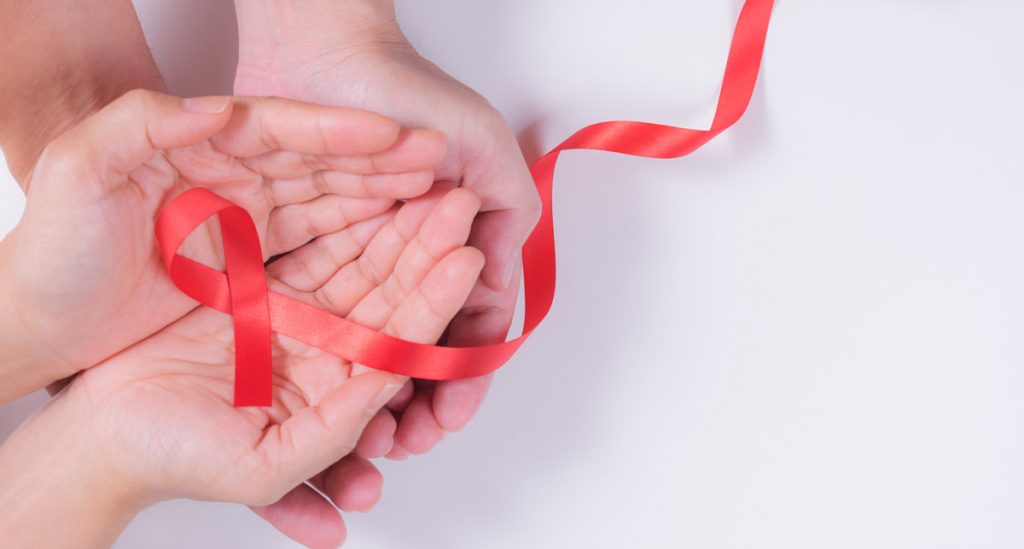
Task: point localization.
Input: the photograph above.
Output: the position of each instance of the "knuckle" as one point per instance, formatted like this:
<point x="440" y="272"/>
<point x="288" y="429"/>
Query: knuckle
<point x="314" y="225"/>
<point x="435" y="310"/>
<point x="307" y="269"/>
<point x="369" y="270"/>
<point x="318" y="178"/>
<point x="392" y="292"/>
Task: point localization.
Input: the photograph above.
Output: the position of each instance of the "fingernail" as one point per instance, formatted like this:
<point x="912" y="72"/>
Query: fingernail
<point x="385" y="395"/>
<point x="213" y="104"/>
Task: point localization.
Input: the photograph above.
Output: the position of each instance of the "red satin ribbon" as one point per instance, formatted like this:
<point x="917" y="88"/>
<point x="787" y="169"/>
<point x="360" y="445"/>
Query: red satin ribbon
<point x="242" y="291"/>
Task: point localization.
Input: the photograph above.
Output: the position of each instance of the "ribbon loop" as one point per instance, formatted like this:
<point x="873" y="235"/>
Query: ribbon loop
<point x="243" y="292"/>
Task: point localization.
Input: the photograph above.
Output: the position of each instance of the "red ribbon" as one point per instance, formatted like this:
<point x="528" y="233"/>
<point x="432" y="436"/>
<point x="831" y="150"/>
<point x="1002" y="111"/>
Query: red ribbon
<point x="242" y="291"/>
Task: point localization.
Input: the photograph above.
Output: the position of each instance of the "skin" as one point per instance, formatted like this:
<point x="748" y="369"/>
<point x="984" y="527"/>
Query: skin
<point x="93" y="195"/>
<point x="68" y="58"/>
<point x="156" y="421"/>
<point x="82" y="260"/>
<point x="63" y="61"/>
<point x="354" y="54"/>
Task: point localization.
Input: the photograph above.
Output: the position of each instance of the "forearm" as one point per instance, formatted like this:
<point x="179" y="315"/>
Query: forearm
<point x="56" y="490"/>
<point x="63" y="60"/>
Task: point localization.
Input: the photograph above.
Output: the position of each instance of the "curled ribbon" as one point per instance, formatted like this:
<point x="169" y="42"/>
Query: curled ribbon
<point x="256" y="311"/>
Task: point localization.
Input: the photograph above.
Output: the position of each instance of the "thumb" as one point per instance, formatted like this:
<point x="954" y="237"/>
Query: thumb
<point x="126" y="133"/>
<point x="321" y="434"/>
<point x="511" y="210"/>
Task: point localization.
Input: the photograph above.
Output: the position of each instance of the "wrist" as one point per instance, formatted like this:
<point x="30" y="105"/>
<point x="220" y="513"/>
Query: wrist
<point x="52" y="473"/>
<point x="265" y="27"/>
<point x="44" y="113"/>
<point x="345" y="17"/>
<point x="28" y="364"/>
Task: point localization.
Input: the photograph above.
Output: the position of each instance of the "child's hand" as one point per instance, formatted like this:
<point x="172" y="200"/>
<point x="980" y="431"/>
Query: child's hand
<point x="81" y="276"/>
<point x="157" y="421"/>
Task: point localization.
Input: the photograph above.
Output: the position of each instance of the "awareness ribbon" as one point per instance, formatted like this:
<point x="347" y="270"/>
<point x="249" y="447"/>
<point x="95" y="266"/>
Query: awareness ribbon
<point x="242" y="291"/>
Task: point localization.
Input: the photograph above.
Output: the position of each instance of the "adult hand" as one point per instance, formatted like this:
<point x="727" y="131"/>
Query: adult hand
<point x="81" y="277"/>
<point x="354" y="54"/>
<point x="156" y="421"/>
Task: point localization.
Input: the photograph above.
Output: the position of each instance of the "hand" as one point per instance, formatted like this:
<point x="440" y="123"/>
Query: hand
<point x="353" y="54"/>
<point x="156" y="421"/>
<point x="83" y="278"/>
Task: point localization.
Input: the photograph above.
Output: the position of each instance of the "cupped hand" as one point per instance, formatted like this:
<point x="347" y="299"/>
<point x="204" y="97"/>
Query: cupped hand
<point x="83" y="277"/>
<point x="315" y="53"/>
<point x="161" y="414"/>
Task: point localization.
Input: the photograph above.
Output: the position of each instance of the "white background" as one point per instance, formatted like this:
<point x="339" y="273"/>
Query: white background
<point x="807" y="335"/>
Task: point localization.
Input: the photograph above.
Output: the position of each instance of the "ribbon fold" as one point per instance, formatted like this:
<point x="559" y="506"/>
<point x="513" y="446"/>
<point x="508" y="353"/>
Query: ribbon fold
<point x="242" y="291"/>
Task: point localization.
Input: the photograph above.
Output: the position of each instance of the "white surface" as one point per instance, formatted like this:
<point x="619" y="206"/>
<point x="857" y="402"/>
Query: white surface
<point x="808" y="335"/>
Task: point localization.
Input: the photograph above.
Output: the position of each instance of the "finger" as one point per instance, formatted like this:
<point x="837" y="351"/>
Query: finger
<point x="445" y="230"/>
<point x="355" y="279"/>
<point x="419" y="431"/>
<point x="292" y="226"/>
<point x="308" y="267"/>
<point x="485" y="319"/>
<point x="456" y="401"/>
<point x="264" y="124"/>
<point x="386" y="185"/>
<point x="316" y="436"/>
<point x="422" y="317"/>
<point x="501" y="235"/>
<point x="414" y="150"/>
<point x="397" y="453"/>
<point x="127" y="132"/>
<point x="306" y="517"/>
<point x="353" y="484"/>
<point x="425" y="313"/>
<point x="403" y="398"/>
<point x="378" y="437"/>
<point x="512" y="208"/>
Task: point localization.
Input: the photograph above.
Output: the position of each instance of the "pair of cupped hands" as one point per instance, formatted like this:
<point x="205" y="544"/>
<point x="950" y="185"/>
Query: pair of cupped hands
<point x="406" y="230"/>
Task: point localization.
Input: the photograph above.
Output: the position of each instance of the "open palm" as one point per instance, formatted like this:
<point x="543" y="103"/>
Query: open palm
<point x="300" y="170"/>
<point x="302" y="52"/>
<point x="163" y="408"/>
